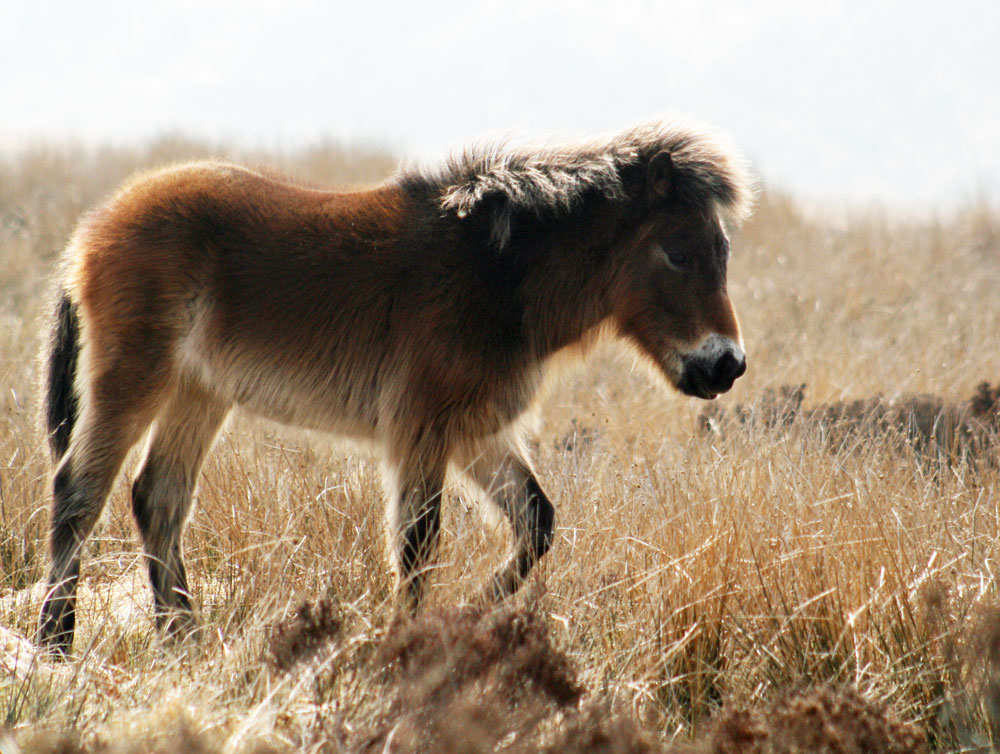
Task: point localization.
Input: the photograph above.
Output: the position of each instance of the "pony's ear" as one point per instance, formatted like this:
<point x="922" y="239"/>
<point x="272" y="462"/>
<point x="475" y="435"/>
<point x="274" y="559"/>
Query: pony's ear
<point x="659" y="174"/>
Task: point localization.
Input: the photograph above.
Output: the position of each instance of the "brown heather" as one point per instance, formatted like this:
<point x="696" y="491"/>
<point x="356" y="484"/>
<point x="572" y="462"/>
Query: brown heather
<point x="758" y="590"/>
<point x="931" y="426"/>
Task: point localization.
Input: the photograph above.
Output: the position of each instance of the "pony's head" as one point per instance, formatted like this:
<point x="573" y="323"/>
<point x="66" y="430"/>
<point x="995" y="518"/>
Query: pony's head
<point x="672" y="302"/>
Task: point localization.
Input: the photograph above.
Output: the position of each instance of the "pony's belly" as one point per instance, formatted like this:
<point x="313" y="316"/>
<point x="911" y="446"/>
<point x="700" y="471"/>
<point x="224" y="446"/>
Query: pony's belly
<point x="308" y="397"/>
<point x="324" y="412"/>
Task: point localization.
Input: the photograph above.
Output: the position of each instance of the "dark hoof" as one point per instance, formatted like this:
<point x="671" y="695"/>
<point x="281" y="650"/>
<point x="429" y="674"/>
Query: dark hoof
<point x="55" y="630"/>
<point x="56" y="645"/>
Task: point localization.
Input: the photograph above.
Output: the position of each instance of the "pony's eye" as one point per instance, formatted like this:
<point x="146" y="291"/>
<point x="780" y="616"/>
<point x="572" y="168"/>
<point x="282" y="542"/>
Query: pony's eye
<point x="673" y="257"/>
<point x="677" y="258"/>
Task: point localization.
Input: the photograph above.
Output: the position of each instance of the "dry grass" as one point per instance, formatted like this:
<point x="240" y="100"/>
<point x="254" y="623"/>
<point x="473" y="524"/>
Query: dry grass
<point x="761" y="590"/>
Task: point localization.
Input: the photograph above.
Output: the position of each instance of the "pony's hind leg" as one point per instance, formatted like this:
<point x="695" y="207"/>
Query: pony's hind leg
<point x="161" y="495"/>
<point x="503" y="473"/>
<point x="108" y="427"/>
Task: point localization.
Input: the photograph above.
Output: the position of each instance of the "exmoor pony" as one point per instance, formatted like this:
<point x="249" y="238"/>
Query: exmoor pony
<point x="419" y="315"/>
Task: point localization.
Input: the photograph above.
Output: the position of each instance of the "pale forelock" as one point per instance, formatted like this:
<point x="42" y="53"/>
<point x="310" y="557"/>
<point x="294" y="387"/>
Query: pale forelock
<point x="552" y="180"/>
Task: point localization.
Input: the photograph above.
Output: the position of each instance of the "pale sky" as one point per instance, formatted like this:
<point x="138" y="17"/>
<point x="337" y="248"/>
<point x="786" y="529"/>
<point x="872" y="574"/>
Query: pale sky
<point x="892" y="101"/>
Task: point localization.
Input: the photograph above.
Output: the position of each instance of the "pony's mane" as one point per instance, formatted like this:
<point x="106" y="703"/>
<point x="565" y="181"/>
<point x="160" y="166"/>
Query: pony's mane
<point x="552" y="180"/>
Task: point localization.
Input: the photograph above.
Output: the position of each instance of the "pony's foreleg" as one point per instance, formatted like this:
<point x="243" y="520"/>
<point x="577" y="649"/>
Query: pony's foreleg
<point x="505" y="476"/>
<point x="162" y="492"/>
<point x="414" y="485"/>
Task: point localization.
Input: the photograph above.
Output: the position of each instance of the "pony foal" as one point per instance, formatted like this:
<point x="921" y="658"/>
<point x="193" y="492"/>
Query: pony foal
<point x="420" y="315"/>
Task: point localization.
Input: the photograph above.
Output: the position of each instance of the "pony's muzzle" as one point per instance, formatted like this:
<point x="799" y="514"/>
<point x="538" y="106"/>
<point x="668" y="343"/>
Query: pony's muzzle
<point x="712" y="368"/>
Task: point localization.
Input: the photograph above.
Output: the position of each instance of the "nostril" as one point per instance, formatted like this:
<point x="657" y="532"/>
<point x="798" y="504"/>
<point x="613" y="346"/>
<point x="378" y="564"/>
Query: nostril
<point x="728" y="368"/>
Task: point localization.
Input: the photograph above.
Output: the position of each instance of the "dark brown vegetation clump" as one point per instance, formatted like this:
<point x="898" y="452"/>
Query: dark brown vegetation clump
<point x="932" y="426"/>
<point x="985" y="403"/>
<point x="464" y="679"/>
<point x="300" y="637"/>
<point x="508" y="650"/>
<point x="777" y="407"/>
<point x="819" y="720"/>
<point x="825" y="720"/>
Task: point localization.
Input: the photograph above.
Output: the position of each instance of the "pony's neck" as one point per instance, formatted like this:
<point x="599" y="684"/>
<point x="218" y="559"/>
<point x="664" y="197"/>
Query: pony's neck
<point x="570" y="299"/>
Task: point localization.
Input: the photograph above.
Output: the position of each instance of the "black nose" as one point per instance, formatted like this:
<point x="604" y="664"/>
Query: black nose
<point x="706" y="379"/>
<point x="727" y="369"/>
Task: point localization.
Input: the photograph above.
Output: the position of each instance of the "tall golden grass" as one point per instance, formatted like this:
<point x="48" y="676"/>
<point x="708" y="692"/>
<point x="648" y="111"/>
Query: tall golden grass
<point x="728" y="592"/>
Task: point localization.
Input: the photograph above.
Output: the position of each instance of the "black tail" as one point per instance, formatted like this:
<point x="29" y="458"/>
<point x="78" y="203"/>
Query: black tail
<point x="61" y="404"/>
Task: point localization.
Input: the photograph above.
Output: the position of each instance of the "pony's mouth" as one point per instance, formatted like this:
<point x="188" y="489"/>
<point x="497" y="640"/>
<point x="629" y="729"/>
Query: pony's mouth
<point x="696" y="391"/>
<point x="702" y="393"/>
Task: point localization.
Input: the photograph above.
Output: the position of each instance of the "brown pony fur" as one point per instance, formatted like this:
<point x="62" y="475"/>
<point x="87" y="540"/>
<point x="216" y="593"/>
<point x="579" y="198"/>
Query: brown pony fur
<point x="420" y="315"/>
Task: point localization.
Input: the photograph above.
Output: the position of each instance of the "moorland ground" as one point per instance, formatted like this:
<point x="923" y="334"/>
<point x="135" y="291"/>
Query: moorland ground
<point x="770" y="585"/>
